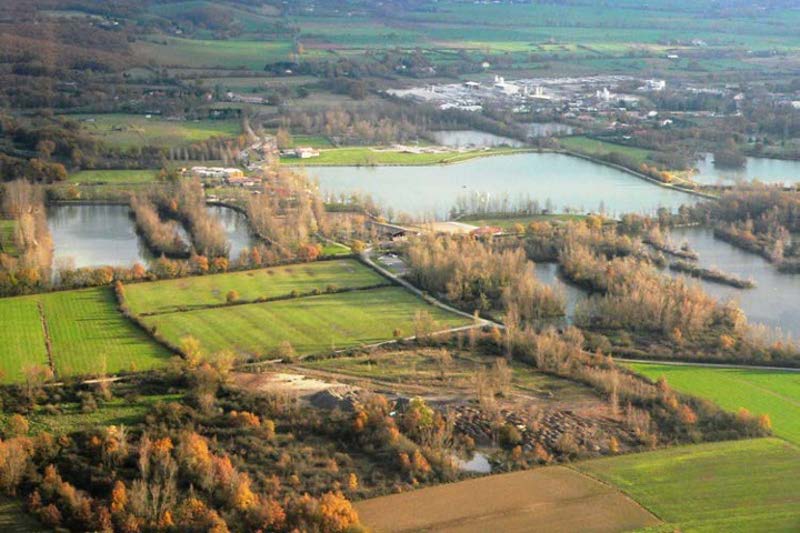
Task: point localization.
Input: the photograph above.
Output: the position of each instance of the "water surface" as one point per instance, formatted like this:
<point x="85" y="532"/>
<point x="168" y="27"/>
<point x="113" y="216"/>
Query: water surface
<point x="567" y="182"/>
<point x="760" y="168"/>
<point x="548" y="129"/>
<point x="775" y="301"/>
<point x="472" y="139"/>
<point x="95" y="235"/>
<point x="236" y="226"/>
<point x="100" y="235"/>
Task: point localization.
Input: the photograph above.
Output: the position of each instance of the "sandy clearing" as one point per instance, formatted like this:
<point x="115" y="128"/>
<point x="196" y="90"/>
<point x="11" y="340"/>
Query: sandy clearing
<point x="544" y="499"/>
<point x="285" y="383"/>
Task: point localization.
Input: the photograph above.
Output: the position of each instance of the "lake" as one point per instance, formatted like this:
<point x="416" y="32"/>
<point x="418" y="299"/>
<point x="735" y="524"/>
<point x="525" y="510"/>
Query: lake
<point x="774" y="302"/>
<point x="565" y="181"/>
<point x="761" y="168"/>
<point x="472" y="139"/>
<point x="98" y="235"/>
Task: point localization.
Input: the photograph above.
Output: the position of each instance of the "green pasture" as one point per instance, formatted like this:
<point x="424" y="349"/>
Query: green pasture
<point x="311" y="324"/>
<point x="194" y="53"/>
<point x="129" y="131"/>
<point x="364" y="156"/>
<point x="202" y="291"/>
<point x="113" y="176"/>
<point x="7" y="240"/>
<point x="774" y="393"/>
<point x="593" y="147"/>
<point x="749" y="485"/>
<point x="88" y="335"/>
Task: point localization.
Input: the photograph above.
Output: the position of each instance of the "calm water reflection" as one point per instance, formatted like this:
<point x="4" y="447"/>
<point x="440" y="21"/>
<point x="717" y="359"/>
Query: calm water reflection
<point x="776" y="299"/>
<point x="548" y="129"/>
<point x="97" y="235"/>
<point x="472" y="138"/>
<point x="566" y="181"/>
<point x="763" y="169"/>
<point x="236" y="227"/>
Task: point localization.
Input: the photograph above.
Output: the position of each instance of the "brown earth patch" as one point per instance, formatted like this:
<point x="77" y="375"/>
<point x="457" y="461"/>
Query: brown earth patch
<point x="544" y="499"/>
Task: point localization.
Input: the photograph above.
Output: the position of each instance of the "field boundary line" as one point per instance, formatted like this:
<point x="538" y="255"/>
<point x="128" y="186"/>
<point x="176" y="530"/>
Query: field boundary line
<point x="48" y="343"/>
<point x="617" y="489"/>
<point x="735" y="366"/>
<point x="281" y="298"/>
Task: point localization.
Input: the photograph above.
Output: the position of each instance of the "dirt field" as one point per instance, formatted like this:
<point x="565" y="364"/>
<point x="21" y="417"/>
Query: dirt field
<point x="545" y="499"/>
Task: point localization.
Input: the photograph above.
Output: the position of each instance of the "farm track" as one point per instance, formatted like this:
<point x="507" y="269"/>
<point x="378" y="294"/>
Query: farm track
<point x="48" y="343"/>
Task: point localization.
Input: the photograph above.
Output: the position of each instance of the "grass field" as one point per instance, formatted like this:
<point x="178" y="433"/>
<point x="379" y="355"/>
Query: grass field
<point x="509" y="222"/>
<point x="750" y="485"/>
<point x="312" y="324"/>
<point x="21" y="337"/>
<point x="194" y="53"/>
<point x="113" y="176"/>
<point x="87" y="334"/>
<point x="7" y="241"/>
<point x="71" y="418"/>
<point x="127" y="131"/>
<point x="593" y="147"/>
<point x="774" y="393"/>
<point x="543" y="499"/>
<point x="364" y="156"/>
<point x="266" y="283"/>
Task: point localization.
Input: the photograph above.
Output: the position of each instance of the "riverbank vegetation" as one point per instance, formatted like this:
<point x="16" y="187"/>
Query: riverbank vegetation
<point x="477" y="278"/>
<point x="161" y="237"/>
<point x="27" y="253"/>
<point x="711" y="274"/>
<point x="760" y="219"/>
<point x="185" y="200"/>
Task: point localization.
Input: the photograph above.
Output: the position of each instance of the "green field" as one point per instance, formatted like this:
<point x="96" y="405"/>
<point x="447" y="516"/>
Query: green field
<point x="760" y="391"/>
<point x="88" y="335"/>
<point x="114" y="412"/>
<point x="202" y="291"/>
<point x="593" y="147"/>
<point x="364" y="156"/>
<point x="509" y="222"/>
<point x="128" y="131"/>
<point x="7" y="241"/>
<point x="113" y="176"/>
<point x="312" y="324"/>
<point x="750" y="485"/>
<point x="21" y="337"/>
<point x="194" y="53"/>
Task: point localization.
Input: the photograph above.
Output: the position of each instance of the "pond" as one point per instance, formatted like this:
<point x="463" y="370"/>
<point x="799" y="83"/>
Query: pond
<point x="97" y="235"/>
<point x="761" y="168"/>
<point x="472" y="139"/>
<point x="548" y="129"/>
<point x="236" y="227"/>
<point x="548" y="273"/>
<point x="557" y="179"/>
